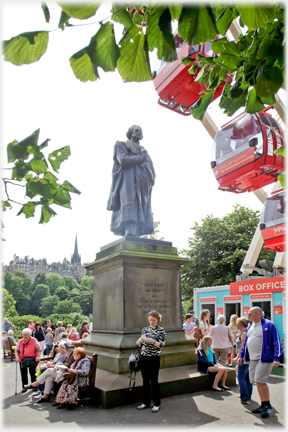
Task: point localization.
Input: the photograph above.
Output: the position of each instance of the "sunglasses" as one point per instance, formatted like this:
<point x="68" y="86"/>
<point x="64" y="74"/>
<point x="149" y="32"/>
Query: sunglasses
<point x="154" y="313"/>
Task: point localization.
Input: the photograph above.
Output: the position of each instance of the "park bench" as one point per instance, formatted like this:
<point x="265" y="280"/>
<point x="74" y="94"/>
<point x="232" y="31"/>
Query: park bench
<point x="8" y="351"/>
<point x="86" y="394"/>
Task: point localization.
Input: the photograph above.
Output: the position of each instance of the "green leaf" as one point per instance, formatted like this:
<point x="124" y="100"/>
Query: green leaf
<point x="270" y="100"/>
<point x="175" y="11"/>
<point x="69" y="187"/>
<point x="46" y="11"/>
<point x="104" y="50"/>
<point x="256" y="16"/>
<point x="82" y="66"/>
<point x="28" y="209"/>
<point x="281" y="151"/>
<point x="133" y="63"/>
<point x="39" y="166"/>
<point x="229" y="61"/>
<point x="254" y="103"/>
<point x="64" y="20"/>
<point x="58" y="156"/>
<point x="121" y="15"/>
<point x="19" y="170"/>
<point x="270" y="81"/>
<point x="21" y="150"/>
<point x="159" y="33"/>
<point x="49" y="177"/>
<point x="26" y="48"/>
<point x="46" y="214"/>
<point x="282" y="180"/>
<point x="61" y="198"/>
<point x="199" y="108"/>
<point x="187" y="60"/>
<point x="5" y="204"/>
<point x="79" y="10"/>
<point x="224" y="21"/>
<point x="197" y="24"/>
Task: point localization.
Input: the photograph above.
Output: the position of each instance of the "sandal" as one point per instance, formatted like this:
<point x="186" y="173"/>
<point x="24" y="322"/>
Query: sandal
<point x="29" y="387"/>
<point x="155" y="408"/>
<point x="143" y="406"/>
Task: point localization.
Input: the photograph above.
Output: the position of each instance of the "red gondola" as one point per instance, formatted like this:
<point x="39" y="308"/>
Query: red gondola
<point x="272" y="222"/>
<point x="176" y="87"/>
<point x="243" y="153"/>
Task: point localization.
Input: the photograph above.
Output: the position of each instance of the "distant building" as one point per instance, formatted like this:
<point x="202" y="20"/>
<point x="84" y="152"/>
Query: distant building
<point x="32" y="267"/>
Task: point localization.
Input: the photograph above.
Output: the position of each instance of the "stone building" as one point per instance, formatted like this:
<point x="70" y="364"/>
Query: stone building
<point x="32" y="266"/>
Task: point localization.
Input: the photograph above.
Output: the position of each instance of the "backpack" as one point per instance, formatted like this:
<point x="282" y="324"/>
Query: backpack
<point x="134" y="364"/>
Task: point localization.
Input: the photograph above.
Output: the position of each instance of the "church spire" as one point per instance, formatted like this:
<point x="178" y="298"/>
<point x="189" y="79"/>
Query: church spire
<point x="76" y="257"/>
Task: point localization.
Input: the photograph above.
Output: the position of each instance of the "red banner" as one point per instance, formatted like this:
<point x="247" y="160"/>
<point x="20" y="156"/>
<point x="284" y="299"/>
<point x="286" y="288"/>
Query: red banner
<point x="261" y="296"/>
<point x="269" y="285"/>
<point x="220" y="311"/>
<point x="207" y="299"/>
<point x="246" y="310"/>
<point x="232" y="298"/>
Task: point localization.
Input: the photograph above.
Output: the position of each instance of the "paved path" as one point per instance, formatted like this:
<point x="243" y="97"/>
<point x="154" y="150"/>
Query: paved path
<point x="201" y="410"/>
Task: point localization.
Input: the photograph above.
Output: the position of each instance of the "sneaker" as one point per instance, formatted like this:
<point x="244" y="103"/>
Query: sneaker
<point x="24" y="390"/>
<point x="37" y="394"/>
<point x="143" y="406"/>
<point x="245" y="402"/>
<point x="155" y="408"/>
<point x="266" y="410"/>
<point x="257" y="410"/>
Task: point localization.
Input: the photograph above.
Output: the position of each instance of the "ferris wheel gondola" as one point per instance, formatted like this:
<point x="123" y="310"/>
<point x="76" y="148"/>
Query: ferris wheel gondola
<point x="272" y="222"/>
<point x="243" y="156"/>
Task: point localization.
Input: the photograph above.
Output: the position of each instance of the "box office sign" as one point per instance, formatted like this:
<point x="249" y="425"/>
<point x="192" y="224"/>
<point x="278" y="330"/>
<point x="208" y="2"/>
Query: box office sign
<point x="207" y="299"/>
<point x="258" y="286"/>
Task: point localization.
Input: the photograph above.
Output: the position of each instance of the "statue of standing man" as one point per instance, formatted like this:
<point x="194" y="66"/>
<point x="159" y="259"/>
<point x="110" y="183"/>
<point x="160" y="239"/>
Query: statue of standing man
<point x="133" y="177"/>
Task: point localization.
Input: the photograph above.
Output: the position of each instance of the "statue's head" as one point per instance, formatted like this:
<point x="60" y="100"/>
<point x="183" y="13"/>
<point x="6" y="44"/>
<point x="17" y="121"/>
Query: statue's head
<point x="131" y="129"/>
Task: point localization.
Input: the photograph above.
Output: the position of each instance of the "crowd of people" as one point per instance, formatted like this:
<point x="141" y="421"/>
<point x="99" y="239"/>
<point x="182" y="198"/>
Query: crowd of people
<point x="253" y="343"/>
<point x="38" y="341"/>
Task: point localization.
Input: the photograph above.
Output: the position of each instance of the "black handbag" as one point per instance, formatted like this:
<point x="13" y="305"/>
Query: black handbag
<point x="28" y="361"/>
<point x="134" y="364"/>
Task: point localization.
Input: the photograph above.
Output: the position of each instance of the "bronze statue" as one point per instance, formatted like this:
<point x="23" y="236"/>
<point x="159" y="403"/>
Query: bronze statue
<point x="133" y="176"/>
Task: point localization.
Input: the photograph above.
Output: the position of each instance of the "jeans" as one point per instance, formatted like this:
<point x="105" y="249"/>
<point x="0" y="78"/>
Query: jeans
<point x="245" y="386"/>
<point x="48" y="349"/>
<point x="150" y="370"/>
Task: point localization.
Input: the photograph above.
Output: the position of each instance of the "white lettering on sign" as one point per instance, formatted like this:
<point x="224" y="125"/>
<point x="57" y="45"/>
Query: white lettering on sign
<point x="277" y="284"/>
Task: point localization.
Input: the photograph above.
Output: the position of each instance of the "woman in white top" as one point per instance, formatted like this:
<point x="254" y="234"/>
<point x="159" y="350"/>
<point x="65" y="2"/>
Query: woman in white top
<point x="204" y="319"/>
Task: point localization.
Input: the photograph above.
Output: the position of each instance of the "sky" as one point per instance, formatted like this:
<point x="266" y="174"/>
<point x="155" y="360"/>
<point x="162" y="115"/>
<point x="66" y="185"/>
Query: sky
<point x="90" y="117"/>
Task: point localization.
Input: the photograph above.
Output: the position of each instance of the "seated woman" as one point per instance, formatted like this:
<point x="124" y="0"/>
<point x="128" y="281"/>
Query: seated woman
<point x="49" y="374"/>
<point x="68" y="393"/>
<point x="207" y="363"/>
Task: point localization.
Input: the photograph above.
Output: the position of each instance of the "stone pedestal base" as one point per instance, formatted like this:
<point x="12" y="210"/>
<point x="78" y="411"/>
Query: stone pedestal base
<point x="133" y="276"/>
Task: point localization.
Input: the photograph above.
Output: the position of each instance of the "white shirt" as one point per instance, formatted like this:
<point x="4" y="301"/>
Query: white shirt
<point x="255" y="341"/>
<point x="205" y="326"/>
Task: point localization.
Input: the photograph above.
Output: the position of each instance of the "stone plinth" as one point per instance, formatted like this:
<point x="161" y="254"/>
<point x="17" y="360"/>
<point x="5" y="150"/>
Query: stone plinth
<point x="132" y="276"/>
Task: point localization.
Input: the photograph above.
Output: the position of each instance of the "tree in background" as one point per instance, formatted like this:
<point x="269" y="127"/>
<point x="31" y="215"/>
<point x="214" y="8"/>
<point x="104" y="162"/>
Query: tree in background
<point x="62" y="292"/>
<point x="54" y="280"/>
<point x="21" y="290"/>
<point x="47" y="305"/>
<point x="41" y="291"/>
<point x="39" y="279"/>
<point x="218" y="248"/>
<point x="8" y="305"/>
<point x="66" y="307"/>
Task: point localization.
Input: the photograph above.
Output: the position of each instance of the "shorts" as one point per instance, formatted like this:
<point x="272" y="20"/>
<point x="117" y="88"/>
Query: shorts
<point x="259" y="372"/>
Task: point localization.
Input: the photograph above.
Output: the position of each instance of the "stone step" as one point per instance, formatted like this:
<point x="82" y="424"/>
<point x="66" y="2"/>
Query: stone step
<point x="112" y="389"/>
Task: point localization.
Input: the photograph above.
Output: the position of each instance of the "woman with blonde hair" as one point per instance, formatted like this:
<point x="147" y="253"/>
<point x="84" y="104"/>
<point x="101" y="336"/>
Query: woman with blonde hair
<point x="235" y="333"/>
<point x="207" y="363"/>
<point x="204" y="324"/>
<point x="152" y="340"/>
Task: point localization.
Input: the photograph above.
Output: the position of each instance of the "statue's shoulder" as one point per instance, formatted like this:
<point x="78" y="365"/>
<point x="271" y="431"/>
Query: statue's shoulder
<point x="120" y="144"/>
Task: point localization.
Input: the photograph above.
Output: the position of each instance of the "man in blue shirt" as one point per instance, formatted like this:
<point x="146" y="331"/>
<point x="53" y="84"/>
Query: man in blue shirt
<point x="6" y="326"/>
<point x="262" y="348"/>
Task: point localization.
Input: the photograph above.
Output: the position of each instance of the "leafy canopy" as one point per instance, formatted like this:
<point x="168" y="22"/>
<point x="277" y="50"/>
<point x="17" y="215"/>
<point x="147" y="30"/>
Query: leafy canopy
<point x="218" y="248"/>
<point x="256" y="61"/>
